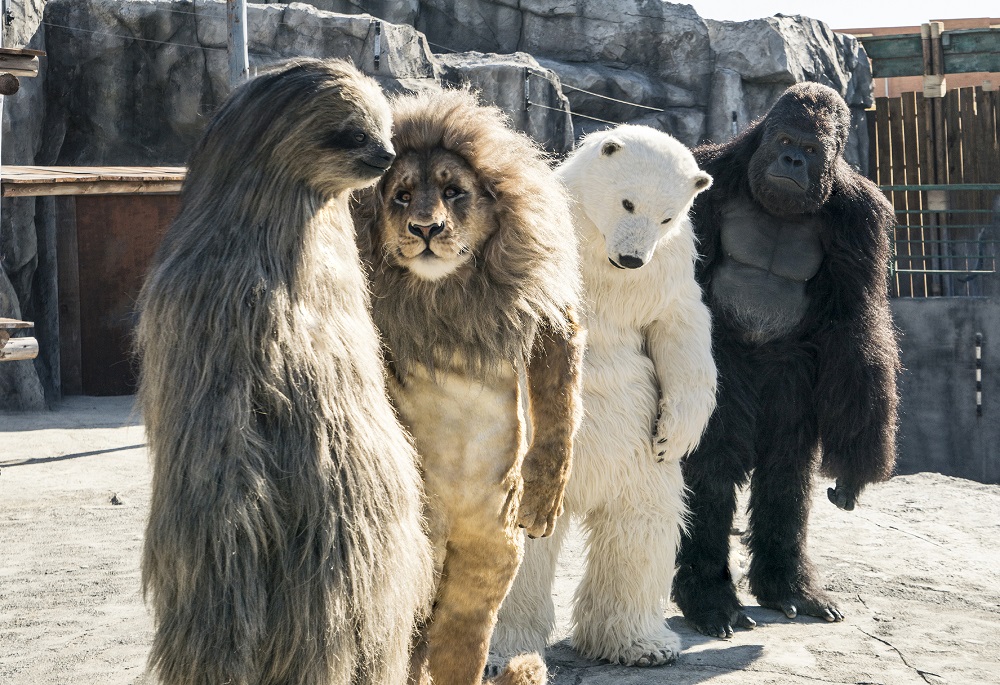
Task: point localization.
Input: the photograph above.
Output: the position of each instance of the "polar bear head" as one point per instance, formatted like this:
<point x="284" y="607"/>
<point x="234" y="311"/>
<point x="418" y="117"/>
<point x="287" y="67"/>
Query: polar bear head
<point x="636" y="185"/>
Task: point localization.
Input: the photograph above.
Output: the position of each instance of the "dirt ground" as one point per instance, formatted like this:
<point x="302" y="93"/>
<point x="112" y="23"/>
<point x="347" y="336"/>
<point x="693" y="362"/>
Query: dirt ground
<point x="915" y="569"/>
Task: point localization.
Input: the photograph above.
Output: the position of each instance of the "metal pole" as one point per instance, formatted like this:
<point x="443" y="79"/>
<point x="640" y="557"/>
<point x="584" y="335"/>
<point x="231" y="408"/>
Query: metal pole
<point x="4" y="9"/>
<point x="239" y="59"/>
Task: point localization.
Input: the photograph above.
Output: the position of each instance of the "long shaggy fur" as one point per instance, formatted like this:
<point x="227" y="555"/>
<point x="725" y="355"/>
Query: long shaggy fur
<point x="524" y="272"/>
<point x="824" y="392"/>
<point x="649" y="389"/>
<point x="457" y="344"/>
<point x="285" y="542"/>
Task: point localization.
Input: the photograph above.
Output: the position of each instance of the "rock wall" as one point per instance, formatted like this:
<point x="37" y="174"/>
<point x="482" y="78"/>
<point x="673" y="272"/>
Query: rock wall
<point x="133" y="82"/>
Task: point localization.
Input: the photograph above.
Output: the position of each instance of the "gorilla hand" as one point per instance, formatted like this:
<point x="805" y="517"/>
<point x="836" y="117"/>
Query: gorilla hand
<point x="844" y="496"/>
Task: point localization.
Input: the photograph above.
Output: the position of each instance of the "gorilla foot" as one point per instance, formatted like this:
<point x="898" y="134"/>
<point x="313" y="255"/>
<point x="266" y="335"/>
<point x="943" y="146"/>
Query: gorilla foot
<point x="712" y="607"/>
<point x="807" y="603"/>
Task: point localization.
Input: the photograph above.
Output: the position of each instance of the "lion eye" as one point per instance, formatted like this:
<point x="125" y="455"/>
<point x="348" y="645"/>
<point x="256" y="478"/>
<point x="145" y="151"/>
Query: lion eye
<point x="667" y="220"/>
<point x="360" y="137"/>
<point x="452" y="192"/>
<point x="403" y="197"/>
<point x="629" y="207"/>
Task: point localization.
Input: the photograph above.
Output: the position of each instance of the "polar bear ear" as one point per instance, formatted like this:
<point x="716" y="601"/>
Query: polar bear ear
<point x="702" y="181"/>
<point x="610" y="147"/>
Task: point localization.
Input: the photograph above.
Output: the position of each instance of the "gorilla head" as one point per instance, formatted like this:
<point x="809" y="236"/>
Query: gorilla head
<point x="802" y="138"/>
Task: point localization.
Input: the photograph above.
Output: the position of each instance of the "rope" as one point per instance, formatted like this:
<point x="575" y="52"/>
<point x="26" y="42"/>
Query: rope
<point x="575" y="114"/>
<point x="608" y="97"/>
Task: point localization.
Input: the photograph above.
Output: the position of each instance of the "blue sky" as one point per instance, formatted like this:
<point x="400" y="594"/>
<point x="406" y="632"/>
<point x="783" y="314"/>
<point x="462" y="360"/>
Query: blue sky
<point x="849" y="13"/>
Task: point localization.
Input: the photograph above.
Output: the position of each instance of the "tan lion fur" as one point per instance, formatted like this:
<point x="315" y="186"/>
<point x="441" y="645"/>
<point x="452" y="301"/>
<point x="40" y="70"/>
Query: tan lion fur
<point x="285" y="542"/>
<point x="475" y="283"/>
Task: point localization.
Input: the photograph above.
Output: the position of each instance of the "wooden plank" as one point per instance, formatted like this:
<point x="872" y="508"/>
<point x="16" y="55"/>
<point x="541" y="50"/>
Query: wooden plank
<point x="23" y="189"/>
<point x="910" y="129"/>
<point x="67" y="259"/>
<point x="117" y="237"/>
<point x="14" y="323"/>
<point x="16" y="174"/>
<point x="19" y="348"/>
<point x="883" y="175"/>
<point x="966" y="104"/>
<point x="954" y="140"/>
<point x="22" y="51"/>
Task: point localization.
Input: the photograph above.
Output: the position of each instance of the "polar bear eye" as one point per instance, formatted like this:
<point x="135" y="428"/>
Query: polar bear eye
<point x="667" y="220"/>
<point x="629" y="207"/>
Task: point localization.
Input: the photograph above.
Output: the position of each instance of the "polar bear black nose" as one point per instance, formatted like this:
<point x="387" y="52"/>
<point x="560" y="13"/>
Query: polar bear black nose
<point x="629" y="262"/>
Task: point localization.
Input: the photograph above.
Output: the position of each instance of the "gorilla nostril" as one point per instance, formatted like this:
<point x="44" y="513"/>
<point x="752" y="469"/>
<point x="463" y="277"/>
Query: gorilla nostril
<point x="630" y="262"/>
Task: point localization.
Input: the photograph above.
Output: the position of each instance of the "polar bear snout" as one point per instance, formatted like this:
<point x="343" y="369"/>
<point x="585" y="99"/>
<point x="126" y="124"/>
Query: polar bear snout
<point x="625" y="261"/>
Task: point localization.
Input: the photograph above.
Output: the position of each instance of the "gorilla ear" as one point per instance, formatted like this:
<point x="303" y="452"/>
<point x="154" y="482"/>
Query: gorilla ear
<point x="610" y="147"/>
<point x="702" y="181"/>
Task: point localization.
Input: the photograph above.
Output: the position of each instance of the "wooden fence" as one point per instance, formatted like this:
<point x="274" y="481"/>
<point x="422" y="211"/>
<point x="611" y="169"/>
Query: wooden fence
<point x="946" y="234"/>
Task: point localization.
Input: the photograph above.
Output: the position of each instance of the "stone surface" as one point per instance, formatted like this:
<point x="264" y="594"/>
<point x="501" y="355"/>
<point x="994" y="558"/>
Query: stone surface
<point x="134" y="82"/>
<point x="914" y="567"/>
<point x="520" y="86"/>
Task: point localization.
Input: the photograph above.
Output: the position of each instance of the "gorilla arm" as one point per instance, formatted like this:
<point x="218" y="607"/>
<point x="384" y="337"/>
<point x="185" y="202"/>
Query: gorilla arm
<point x="858" y="355"/>
<point x="554" y="387"/>
<point x="681" y="349"/>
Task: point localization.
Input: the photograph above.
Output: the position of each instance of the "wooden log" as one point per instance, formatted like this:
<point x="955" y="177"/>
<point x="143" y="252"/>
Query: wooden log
<point x="9" y="84"/>
<point x="19" y="348"/>
<point x="19" y="65"/>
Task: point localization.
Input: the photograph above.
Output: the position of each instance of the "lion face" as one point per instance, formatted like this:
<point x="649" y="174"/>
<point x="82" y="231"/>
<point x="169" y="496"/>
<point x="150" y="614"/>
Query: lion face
<point x="436" y="214"/>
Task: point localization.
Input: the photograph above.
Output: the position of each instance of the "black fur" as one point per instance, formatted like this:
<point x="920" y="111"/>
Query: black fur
<point x="824" y="393"/>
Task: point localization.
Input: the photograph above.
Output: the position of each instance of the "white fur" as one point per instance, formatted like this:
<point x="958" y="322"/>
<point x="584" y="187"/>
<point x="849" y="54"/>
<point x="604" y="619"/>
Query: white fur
<point x="648" y="353"/>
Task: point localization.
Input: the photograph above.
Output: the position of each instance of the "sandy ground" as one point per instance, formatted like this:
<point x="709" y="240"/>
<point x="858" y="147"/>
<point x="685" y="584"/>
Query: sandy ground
<point x="915" y="568"/>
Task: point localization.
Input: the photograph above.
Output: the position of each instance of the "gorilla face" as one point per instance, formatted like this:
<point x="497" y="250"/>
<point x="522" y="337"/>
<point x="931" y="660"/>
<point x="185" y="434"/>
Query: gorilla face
<point x="791" y="172"/>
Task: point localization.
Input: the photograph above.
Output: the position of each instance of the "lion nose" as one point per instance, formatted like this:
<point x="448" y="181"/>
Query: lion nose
<point x="629" y="262"/>
<point x="426" y="231"/>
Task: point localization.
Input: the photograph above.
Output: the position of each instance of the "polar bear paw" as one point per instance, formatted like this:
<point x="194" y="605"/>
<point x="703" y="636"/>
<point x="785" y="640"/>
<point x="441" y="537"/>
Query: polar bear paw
<point x="653" y="650"/>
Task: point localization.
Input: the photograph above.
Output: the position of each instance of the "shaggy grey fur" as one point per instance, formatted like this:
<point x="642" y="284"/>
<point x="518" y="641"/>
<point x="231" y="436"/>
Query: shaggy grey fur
<point x="285" y="542"/>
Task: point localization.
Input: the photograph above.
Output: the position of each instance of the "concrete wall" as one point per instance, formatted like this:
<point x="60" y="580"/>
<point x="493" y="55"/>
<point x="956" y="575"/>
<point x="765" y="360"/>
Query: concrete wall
<point x="939" y="429"/>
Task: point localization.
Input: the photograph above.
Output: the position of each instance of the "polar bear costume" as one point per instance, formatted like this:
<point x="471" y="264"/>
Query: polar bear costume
<point x="648" y="391"/>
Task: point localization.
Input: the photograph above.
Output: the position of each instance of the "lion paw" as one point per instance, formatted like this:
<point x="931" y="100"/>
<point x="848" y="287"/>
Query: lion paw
<point x="540" y="507"/>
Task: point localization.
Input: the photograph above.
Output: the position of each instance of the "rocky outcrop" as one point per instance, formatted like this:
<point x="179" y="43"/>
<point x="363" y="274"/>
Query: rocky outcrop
<point x="134" y="82"/>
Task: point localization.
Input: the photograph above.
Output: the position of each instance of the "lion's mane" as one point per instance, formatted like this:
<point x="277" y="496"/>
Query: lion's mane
<point x="489" y="314"/>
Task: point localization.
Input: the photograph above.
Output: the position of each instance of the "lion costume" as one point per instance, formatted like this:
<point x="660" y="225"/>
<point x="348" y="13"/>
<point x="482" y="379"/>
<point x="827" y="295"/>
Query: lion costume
<point x="475" y="287"/>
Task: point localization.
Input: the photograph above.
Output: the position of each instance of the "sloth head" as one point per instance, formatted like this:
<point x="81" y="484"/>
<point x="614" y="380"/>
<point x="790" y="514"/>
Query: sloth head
<point x="318" y="123"/>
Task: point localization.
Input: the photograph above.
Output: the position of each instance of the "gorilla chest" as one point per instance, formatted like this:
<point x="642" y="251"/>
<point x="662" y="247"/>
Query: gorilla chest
<point x="761" y="278"/>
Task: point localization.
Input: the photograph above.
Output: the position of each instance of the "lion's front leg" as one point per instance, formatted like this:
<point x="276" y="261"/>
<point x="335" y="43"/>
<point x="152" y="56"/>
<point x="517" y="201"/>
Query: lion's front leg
<point x="554" y="387"/>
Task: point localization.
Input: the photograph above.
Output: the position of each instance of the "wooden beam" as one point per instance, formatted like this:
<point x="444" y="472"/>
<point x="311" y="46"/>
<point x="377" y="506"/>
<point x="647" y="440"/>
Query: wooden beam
<point x="964" y="51"/>
<point x="239" y="61"/>
<point x="93" y="188"/>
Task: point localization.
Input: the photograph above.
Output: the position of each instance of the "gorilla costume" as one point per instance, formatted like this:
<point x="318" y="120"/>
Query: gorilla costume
<point x="795" y="252"/>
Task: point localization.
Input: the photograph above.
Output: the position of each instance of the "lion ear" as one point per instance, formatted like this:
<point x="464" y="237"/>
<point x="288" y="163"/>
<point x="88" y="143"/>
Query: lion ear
<point x="611" y="146"/>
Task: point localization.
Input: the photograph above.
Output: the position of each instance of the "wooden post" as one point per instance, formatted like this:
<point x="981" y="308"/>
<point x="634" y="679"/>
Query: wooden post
<point x="239" y="60"/>
<point x="940" y="155"/>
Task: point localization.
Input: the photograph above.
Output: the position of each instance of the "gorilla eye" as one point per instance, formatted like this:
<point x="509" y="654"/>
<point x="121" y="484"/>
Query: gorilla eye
<point x="785" y="140"/>
<point x="360" y="137"/>
<point x="810" y="150"/>
<point x="629" y="207"/>
<point x="451" y="192"/>
<point x="403" y="197"/>
<point x="667" y="220"/>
